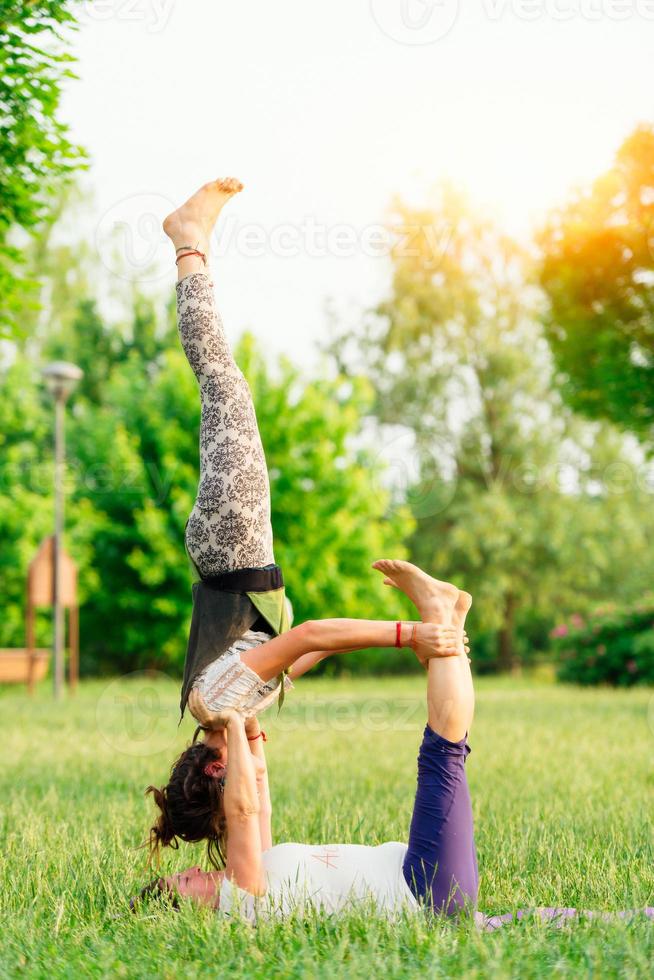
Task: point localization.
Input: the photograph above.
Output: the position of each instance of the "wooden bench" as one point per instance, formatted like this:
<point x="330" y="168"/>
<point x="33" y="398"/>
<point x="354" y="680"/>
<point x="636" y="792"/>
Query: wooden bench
<point x="15" y="665"/>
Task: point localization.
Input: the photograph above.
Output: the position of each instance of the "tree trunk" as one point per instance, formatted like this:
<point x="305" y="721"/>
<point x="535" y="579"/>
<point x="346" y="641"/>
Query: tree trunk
<point x="505" y="651"/>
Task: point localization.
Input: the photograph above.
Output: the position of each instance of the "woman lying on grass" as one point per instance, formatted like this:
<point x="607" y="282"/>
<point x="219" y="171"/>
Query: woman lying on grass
<point x="239" y="644"/>
<point x="438" y="867"/>
<point x="436" y="871"/>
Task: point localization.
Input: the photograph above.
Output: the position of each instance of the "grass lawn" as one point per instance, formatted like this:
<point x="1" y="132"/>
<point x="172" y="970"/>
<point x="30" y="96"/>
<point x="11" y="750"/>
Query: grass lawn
<point x="561" y="780"/>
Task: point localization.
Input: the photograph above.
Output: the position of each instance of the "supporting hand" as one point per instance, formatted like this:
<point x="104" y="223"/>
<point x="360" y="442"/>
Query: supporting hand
<point x="434" y="640"/>
<point x="207" y="718"/>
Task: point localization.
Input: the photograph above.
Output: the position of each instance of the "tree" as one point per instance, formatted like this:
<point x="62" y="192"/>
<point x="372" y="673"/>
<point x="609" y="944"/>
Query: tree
<point x="36" y="154"/>
<point x="25" y="517"/>
<point x="331" y="515"/>
<point x="137" y="455"/>
<point x="135" y="458"/>
<point x="598" y="272"/>
<point x="457" y="358"/>
<point x="26" y="509"/>
<point x="132" y="440"/>
<point x="131" y="480"/>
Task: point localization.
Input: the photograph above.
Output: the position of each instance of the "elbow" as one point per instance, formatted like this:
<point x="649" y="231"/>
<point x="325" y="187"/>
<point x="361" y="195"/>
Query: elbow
<point x="310" y="635"/>
<point x="242" y="810"/>
<point x="259" y="889"/>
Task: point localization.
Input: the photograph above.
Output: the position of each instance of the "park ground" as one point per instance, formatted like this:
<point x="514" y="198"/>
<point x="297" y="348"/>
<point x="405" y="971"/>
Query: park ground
<point x="562" y="787"/>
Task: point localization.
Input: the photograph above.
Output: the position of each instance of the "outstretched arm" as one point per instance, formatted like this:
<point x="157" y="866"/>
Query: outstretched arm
<point x="307" y="661"/>
<point x="340" y="635"/>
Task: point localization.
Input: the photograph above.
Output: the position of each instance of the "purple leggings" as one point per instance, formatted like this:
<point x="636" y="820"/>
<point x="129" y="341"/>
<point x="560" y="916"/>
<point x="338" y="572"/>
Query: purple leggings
<point x="440" y="866"/>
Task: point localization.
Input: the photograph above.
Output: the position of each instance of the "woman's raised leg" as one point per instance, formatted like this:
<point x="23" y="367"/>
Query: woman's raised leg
<point x="450" y="694"/>
<point x="229" y="527"/>
<point x="441" y="863"/>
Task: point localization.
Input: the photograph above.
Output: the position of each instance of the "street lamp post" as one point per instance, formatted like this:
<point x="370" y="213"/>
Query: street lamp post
<point x="60" y="379"/>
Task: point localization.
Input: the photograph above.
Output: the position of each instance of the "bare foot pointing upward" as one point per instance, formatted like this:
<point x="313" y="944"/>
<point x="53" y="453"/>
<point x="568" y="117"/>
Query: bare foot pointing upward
<point x="193" y="223"/>
<point x="434" y="600"/>
<point x="450" y="693"/>
<point x="461" y="609"/>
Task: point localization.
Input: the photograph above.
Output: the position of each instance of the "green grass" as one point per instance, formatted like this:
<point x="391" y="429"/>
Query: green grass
<point x="561" y="780"/>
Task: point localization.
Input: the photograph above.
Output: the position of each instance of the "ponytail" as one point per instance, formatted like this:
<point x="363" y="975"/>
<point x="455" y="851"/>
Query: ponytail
<point x="190" y="807"/>
<point x="161" y="832"/>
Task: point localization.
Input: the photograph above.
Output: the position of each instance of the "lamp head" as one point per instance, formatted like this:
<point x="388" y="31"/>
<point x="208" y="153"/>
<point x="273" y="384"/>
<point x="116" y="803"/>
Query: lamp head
<point x="61" y="378"/>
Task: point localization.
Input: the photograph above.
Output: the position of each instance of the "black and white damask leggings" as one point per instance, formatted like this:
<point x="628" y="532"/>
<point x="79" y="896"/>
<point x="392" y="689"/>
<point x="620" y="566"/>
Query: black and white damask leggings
<point x="229" y="527"/>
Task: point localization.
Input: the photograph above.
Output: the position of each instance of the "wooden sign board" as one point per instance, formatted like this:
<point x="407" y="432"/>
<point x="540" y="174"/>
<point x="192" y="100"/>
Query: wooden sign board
<point x="40" y="577"/>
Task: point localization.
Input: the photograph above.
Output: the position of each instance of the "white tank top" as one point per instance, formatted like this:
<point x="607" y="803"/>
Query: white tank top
<point x="329" y="877"/>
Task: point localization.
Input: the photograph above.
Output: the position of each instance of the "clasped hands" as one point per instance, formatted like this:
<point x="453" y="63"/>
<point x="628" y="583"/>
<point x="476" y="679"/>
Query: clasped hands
<point x="429" y="640"/>
<point x="213" y="720"/>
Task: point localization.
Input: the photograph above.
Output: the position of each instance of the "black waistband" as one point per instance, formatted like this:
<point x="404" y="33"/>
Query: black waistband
<point x="247" y="580"/>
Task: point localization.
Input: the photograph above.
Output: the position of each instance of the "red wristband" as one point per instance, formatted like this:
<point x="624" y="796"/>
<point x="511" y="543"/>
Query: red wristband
<point x="262" y="734"/>
<point x="191" y="251"/>
<point x="398" y="635"/>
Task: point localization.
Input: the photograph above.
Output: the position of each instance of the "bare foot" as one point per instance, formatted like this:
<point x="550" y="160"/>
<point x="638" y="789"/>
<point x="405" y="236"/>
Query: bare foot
<point x="193" y="223"/>
<point x="461" y="610"/>
<point x="434" y="600"/>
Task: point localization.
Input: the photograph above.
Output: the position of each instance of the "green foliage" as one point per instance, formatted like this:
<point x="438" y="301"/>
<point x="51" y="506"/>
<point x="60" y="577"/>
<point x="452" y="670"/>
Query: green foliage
<point x="136" y="456"/>
<point x="535" y="512"/>
<point x="515" y="500"/>
<point x="132" y="437"/>
<point x="331" y="517"/>
<point x="613" y="645"/>
<point x="25" y="517"/>
<point x="562" y="807"/>
<point x="598" y="272"/>
<point x="35" y="153"/>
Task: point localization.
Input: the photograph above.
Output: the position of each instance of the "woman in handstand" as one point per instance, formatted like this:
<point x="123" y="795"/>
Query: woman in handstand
<point x="239" y="644"/>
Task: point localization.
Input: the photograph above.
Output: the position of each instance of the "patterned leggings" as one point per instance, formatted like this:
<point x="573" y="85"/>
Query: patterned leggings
<point x="229" y="527"/>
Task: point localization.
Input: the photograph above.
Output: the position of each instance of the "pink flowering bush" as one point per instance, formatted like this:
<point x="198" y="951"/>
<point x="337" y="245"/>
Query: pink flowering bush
<point x="614" y="645"/>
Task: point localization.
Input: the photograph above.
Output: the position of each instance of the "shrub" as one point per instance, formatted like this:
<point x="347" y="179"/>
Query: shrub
<point x="613" y="645"/>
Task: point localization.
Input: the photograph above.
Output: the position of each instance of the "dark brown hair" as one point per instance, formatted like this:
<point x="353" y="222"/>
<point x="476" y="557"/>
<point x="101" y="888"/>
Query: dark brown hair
<point x="191" y="807"/>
